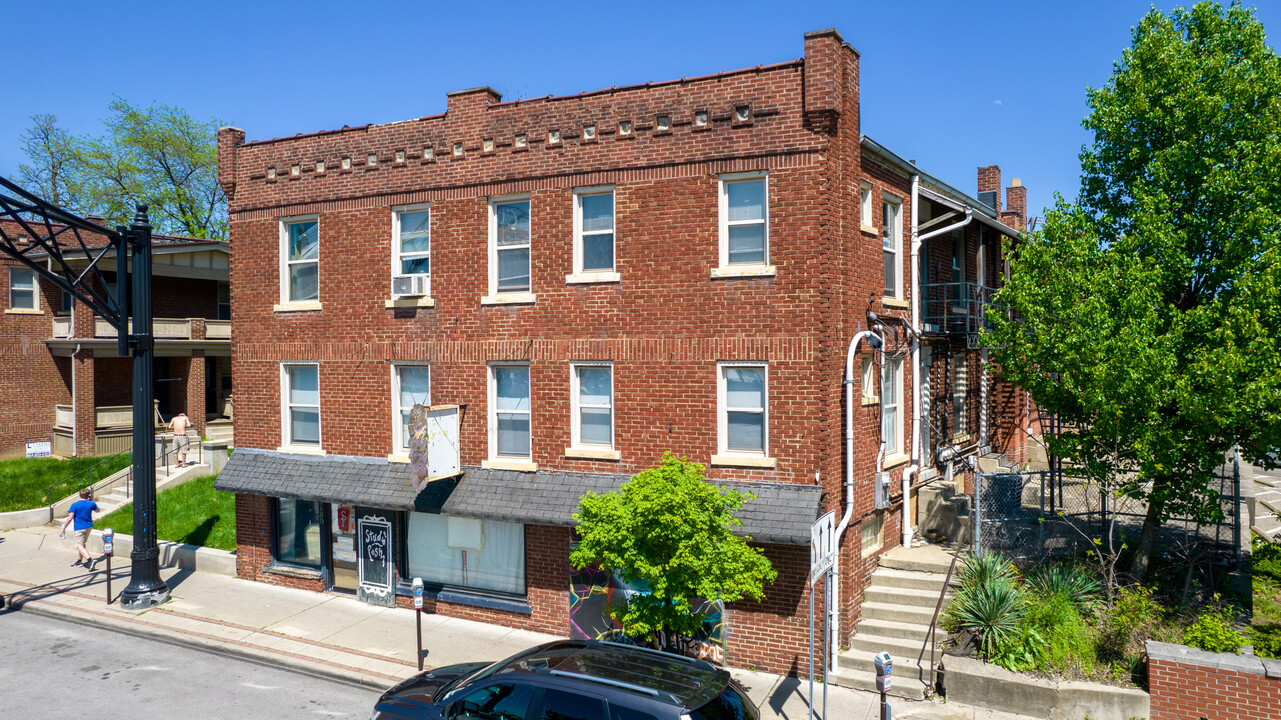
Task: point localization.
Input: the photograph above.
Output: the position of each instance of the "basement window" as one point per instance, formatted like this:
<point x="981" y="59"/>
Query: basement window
<point x="873" y="534"/>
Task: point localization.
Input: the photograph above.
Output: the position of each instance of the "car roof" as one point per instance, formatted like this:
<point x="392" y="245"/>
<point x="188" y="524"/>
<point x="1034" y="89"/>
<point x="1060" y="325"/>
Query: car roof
<point x="659" y="675"/>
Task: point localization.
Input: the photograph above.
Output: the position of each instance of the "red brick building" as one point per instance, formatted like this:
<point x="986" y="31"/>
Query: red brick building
<point x="62" y="380"/>
<point x="581" y="284"/>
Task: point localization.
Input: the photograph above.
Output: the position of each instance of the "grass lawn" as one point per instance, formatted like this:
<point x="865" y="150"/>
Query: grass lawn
<point x="23" y="481"/>
<point x="192" y="513"/>
<point x="1267" y="599"/>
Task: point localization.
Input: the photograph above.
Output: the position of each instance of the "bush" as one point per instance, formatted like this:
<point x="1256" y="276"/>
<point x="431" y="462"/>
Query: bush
<point x="1068" y="639"/>
<point x="986" y="569"/>
<point x="1213" y="631"/>
<point x="993" y="611"/>
<point x="1068" y="581"/>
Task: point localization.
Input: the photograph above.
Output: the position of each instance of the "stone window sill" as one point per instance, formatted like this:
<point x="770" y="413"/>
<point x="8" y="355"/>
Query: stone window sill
<point x="473" y="598"/>
<point x="895" y="303"/>
<point x="516" y="298"/>
<point x="297" y="306"/>
<point x="586" y="278"/>
<point x="894" y="460"/>
<point x="592" y="454"/>
<point x="410" y="302"/>
<point x="744" y="271"/>
<point x="301" y="450"/>
<point x="517" y="465"/>
<point x="753" y="461"/>
<point x="873" y="400"/>
<point x="23" y="311"/>
<point x="868" y="229"/>
<point x="398" y="458"/>
<point x="293" y="571"/>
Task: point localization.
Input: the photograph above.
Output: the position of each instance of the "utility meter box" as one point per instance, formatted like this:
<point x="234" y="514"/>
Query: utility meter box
<point x="884" y="671"/>
<point x="882" y="490"/>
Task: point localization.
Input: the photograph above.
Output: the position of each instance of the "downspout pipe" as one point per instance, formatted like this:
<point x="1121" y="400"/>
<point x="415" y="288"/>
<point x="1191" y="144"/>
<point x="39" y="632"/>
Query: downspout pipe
<point x="914" y="264"/>
<point x="873" y="341"/>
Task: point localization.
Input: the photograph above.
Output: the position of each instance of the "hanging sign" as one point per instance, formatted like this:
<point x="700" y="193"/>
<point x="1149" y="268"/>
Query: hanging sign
<point x="433" y="444"/>
<point x="822" y="546"/>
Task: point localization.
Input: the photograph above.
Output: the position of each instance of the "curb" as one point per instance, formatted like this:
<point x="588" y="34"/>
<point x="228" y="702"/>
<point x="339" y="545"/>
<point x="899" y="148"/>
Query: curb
<point x="333" y="672"/>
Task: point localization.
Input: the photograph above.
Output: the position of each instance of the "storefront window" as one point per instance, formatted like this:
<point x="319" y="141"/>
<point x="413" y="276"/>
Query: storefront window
<point x="467" y="552"/>
<point x="298" y="532"/>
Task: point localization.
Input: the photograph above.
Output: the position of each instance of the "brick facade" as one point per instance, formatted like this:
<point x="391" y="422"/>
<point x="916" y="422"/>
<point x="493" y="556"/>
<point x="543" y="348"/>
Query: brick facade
<point x="1189" y="684"/>
<point x="665" y="324"/>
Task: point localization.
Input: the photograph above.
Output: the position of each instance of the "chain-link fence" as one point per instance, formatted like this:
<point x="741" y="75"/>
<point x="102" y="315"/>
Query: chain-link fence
<point x="1030" y="516"/>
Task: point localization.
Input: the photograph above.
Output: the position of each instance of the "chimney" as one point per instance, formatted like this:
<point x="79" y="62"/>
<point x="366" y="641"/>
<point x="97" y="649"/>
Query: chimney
<point x="1016" y="199"/>
<point x="830" y="76"/>
<point x="229" y="141"/>
<point x="990" y="186"/>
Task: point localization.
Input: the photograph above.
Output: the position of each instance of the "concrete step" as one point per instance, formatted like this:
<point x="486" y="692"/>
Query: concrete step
<point x="928" y="558"/>
<point x="893" y="628"/>
<point x="902" y="596"/>
<point x="901" y="687"/>
<point x="900" y="648"/>
<point x="891" y="577"/>
<point x="899" y="613"/>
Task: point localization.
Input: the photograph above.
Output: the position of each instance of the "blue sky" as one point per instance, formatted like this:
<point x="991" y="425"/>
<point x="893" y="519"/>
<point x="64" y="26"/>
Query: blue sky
<point x="953" y="85"/>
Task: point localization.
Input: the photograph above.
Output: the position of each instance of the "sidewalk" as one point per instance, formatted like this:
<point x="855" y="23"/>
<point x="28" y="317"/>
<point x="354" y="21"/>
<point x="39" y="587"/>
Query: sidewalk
<point x="331" y="636"/>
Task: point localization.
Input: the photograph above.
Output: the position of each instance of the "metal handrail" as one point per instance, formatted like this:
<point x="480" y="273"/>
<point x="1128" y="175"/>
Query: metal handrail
<point x="93" y="485"/>
<point x="930" y="637"/>
<point x="49" y="490"/>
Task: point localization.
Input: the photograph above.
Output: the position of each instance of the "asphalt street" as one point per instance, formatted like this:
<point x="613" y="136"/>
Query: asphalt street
<point x="56" y="669"/>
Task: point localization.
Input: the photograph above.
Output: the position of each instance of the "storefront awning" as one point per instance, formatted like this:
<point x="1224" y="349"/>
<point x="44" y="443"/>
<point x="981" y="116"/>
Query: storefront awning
<point x="780" y="513"/>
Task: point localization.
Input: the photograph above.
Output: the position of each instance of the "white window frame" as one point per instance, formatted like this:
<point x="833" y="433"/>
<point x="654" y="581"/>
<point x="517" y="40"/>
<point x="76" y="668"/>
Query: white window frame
<point x="587" y="276"/>
<point x="894" y="236"/>
<point x="575" y="420"/>
<point x="286" y="426"/>
<point x="35" y="290"/>
<point x="396" y="255"/>
<point x="508" y="296"/>
<point x="959" y="400"/>
<point x="870" y="387"/>
<point x="514" y="462"/>
<point x="725" y="269"/>
<point x="398" y="442"/>
<point x="892" y="373"/>
<point x="722" y="412"/>
<point x="865" y="206"/>
<point x="285" y="301"/>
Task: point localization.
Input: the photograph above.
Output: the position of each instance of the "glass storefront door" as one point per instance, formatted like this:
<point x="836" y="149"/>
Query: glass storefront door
<point x="342" y="523"/>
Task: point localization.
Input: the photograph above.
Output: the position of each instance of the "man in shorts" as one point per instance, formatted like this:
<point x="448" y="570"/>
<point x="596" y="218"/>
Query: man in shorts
<point x="181" y="443"/>
<point x="81" y="512"/>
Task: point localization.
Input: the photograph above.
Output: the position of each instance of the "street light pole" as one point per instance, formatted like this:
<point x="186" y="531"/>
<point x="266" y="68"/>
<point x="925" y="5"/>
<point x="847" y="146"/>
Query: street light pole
<point x="146" y="589"/>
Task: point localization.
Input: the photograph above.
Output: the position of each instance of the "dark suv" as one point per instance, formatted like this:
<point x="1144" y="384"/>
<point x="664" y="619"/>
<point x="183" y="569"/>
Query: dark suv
<point x="572" y="680"/>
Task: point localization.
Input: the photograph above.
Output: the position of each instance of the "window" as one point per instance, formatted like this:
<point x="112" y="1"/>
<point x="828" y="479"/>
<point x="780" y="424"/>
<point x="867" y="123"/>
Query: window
<point x="564" y="705"/>
<point x="22" y="289"/>
<point x="594" y="230"/>
<point x="300" y="253"/>
<point x="224" y="301"/>
<point x="960" y="426"/>
<point x="503" y="701"/>
<point x="891" y="404"/>
<point x="467" y="552"/>
<point x="509" y="411"/>
<point x="870" y="395"/>
<point x="302" y="405"/>
<point x="593" y="406"/>
<point x="411" y="249"/>
<point x="957" y="288"/>
<point x="742" y="409"/>
<point x="744" y="225"/>
<point x="865" y="204"/>
<point x="892" y="244"/>
<point x="873" y="534"/>
<point x="729" y="705"/>
<point x="411" y="386"/>
<point x="68" y="301"/>
<point x="509" y="246"/>
<point x="298" y="532"/>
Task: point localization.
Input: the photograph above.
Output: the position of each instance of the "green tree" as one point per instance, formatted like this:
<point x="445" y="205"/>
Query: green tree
<point x="52" y="162"/>
<point x="1148" y="313"/>
<point x="670" y="529"/>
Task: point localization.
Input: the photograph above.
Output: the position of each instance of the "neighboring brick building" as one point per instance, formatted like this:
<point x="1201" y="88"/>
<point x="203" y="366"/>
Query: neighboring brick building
<point x="582" y="283"/>
<point x="62" y="379"/>
<point x="1190" y="684"/>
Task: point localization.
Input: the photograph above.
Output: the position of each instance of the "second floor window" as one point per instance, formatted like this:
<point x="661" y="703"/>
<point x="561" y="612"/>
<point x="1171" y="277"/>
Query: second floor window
<point x="412" y="387"/>
<point x="891" y="244"/>
<point x="22" y="289"/>
<point x="509" y="411"/>
<point x="593" y="396"/>
<point x="744" y="220"/>
<point x="300" y="260"/>
<point x="743" y="415"/>
<point x="302" y="405"/>
<point x="594" y="230"/>
<point x="509" y="246"/>
<point x="892" y="404"/>
<point x="411" y="245"/>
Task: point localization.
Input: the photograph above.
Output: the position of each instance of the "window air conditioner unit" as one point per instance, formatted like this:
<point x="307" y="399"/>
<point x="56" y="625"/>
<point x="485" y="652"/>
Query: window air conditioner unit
<point x="409" y="285"/>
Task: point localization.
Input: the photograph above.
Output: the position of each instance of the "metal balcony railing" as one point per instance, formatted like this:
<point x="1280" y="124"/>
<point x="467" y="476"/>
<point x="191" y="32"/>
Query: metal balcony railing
<point x="955" y="308"/>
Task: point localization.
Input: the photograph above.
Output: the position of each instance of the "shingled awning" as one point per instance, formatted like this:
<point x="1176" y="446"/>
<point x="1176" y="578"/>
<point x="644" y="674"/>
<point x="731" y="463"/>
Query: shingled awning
<point x="780" y="512"/>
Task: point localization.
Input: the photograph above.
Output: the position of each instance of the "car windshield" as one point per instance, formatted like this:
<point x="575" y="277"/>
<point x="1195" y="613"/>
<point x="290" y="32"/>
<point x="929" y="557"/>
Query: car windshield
<point x="463" y="681"/>
<point x="729" y="705"/>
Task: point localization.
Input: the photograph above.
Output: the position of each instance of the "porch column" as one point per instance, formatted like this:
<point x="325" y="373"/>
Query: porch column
<point x="82" y="400"/>
<point x="983" y="397"/>
<point x="196" y="391"/>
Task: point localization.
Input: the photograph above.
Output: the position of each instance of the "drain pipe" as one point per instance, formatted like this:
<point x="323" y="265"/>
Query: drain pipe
<point x="873" y="341"/>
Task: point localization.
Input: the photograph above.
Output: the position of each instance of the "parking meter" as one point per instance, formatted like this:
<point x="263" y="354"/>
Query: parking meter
<point x="418" y="593"/>
<point x="884" y="671"/>
<point x="107" y="538"/>
<point x="418" y="618"/>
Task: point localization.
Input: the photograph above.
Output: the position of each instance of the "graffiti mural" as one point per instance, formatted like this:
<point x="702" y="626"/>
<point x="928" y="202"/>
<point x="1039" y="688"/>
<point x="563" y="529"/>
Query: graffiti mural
<point x="592" y="590"/>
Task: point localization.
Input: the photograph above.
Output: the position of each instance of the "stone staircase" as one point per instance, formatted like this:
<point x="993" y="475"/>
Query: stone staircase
<point x="896" y="613"/>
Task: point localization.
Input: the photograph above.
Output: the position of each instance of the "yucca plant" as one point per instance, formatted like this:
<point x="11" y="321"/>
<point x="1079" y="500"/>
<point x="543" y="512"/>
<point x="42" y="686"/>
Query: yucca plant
<point x="993" y="610"/>
<point x="1072" y="582"/>
<point x="986" y="568"/>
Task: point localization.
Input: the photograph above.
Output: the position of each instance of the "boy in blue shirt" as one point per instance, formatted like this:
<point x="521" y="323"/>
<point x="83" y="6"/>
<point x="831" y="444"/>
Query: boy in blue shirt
<point x="81" y="511"/>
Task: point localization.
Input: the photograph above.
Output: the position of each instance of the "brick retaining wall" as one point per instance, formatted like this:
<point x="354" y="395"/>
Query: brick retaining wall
<point x="1190" y="684"/>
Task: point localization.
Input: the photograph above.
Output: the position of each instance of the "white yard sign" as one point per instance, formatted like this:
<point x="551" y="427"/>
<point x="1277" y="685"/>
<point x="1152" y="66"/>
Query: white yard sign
<point x="822" y="546"/>
<point x="39" y="449"/>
